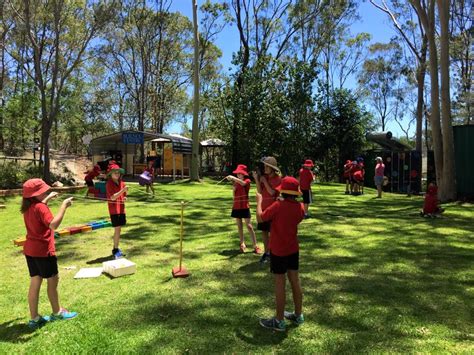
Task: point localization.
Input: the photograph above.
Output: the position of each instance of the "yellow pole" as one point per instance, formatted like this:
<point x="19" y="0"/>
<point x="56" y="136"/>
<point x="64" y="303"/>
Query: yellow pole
<point x="181" y="237"/>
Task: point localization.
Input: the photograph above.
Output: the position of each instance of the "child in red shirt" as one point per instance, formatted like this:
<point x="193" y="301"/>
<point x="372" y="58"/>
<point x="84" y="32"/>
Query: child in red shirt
<point x="266" y="186"/>
<point x="39" y="249"/>
<point x="306" y="178"/>
<point x="347" y="176"/>
<point x="116" y="196"/>
<point x="431" y="205"/>
<point x="90" y="176"/>
<point x="285" y="216"/>
<point x="150" y="170"/>
<point x="241" y="208"/>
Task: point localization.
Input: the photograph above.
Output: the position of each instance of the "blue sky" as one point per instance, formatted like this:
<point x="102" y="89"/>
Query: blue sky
<point x="372" y="21"/>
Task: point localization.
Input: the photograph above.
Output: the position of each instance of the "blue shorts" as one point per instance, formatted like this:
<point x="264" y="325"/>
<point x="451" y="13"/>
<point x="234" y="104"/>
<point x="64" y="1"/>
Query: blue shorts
<point x="378" y="180"/>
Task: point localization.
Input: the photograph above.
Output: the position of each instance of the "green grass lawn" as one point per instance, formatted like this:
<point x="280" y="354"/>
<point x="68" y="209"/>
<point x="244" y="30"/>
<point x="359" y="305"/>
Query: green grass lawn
<point x="376" y="278"/>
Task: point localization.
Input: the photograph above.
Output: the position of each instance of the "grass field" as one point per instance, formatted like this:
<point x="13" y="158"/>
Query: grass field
<point x="376" y="278"/>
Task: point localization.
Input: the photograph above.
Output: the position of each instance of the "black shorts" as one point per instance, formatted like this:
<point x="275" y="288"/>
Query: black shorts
<point x="241" y="213"/>
<point x="307" y="196"/>
<point x="118" y="220"/>
<point x="281" y="264"/>
<point x="44" y="267"/>
<point x="264" y="226"/>
<point x="90" y="183"/>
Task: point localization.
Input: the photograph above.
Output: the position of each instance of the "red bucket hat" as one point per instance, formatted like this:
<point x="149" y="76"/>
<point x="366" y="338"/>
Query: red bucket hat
<point x="308" y="163"/>
<point x="241" y="169"/>
<point x="289" y="185"/>
<point x="114" y="167"/>
<point x="34" y="187"/>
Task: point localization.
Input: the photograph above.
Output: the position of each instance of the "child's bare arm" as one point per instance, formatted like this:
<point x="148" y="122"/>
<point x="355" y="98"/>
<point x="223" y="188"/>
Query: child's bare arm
<point x="259" y="207"/>
<point x="60" y="215"/>
<point x="257" y="182"/>
<point x="118" y="194"/>
<point x="267" y="186"/>
<point x="237" y="180"/>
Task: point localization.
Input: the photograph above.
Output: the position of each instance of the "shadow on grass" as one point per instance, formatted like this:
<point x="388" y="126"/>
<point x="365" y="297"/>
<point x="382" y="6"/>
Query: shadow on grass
<point x="100" y="260"/>
<point x="14" y="332"/>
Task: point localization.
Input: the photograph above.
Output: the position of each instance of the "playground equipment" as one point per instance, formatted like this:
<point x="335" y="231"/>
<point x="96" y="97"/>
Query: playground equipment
<point x="70" y="231"/>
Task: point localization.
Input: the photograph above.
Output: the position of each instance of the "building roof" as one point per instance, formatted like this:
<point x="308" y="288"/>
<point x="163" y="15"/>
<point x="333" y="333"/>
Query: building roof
<point x="386" y="141"/>
<point x="213" y="142"/>
<point x="180" y="144"/>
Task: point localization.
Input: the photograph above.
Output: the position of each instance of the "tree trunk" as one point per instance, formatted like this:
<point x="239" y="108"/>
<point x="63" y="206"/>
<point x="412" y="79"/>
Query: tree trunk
<point x="195" y="156"/>
<point x="428" y="22"/>
<point x="420" y="80"/>
<point x="448" y="187"/>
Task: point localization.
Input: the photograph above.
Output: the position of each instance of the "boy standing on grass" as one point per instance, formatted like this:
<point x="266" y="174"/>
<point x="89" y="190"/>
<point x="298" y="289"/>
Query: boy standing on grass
<point x="285" y="216"/>
<point x="116" y="196"/>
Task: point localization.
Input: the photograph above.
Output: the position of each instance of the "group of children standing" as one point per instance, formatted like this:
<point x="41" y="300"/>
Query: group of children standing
<point x="278" y="216"/>
<point x="354" y="174"/>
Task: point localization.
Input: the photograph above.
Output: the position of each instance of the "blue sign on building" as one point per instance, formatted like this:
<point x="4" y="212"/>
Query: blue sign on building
<point x="133" y="138"/>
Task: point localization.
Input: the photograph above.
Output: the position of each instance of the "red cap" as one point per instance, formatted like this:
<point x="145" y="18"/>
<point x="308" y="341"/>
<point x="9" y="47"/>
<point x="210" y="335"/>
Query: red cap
<point x="34" y="187"/>
<point x="289" y="185"/>
<point x="114" y="167"/>
<point x="348" y="161"/>
<point x="241" y="169"/>
<point x="308" y="163"/>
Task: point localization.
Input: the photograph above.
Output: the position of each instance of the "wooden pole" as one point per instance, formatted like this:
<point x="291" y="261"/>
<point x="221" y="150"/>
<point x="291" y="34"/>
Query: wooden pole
<point x="181" y="237"/>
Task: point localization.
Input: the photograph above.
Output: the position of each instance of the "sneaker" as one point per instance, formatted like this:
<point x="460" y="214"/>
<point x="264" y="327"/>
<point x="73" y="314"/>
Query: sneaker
<point x="306" y="216"/>
<point x="257" y="250"/>
<point x="63" y="314"/>
<point x="35" y="324"/>
<point x="243" y="247"/>
<point x="347" y="193"/>
<point x="292" y="316"/>
<point x="273" y="323"/>
<point x="117" y="253"/>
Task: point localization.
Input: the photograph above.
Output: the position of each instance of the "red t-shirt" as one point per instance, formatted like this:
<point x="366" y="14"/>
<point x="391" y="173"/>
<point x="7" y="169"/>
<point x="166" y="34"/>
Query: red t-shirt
<point x="347" y="170"/>
<point x="241" y="195"/>
<point x="117" y="206"/>
<point x="359" y="175"/>
<point x="268" y="199"/>
<point x="91" y="175"/>
<point x="39" y="237"/>
<point x="306" y="178"/>
<point x="285" y="216"/>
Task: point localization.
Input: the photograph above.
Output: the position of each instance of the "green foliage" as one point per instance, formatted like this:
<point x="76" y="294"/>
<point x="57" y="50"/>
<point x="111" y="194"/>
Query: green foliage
<point x="341" y="126"/>
<point x="13" y="175"/>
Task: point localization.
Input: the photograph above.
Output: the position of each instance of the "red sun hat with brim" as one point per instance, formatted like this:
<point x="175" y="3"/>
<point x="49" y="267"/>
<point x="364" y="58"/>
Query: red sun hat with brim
<point x="114" y="167"/>
<point x="308" y="163"/>
<point x="241" y="169"/>
<point x="34" y="187"/>
<point x="289" y="185"/>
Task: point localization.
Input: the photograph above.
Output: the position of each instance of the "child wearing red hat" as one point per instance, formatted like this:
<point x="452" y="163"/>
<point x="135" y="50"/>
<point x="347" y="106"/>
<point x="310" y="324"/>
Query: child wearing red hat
<point x="266" y="185"/>
<point x="241" y="208"/>
<point x="116" y="196"/>
<point x="347" y="176"/>
<point x="431" y="204"/>
<point x="285" y="216"/>
<point x="306" y="178"/>
<point x="40" y="250"/>
<point x="91" y="175"/>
